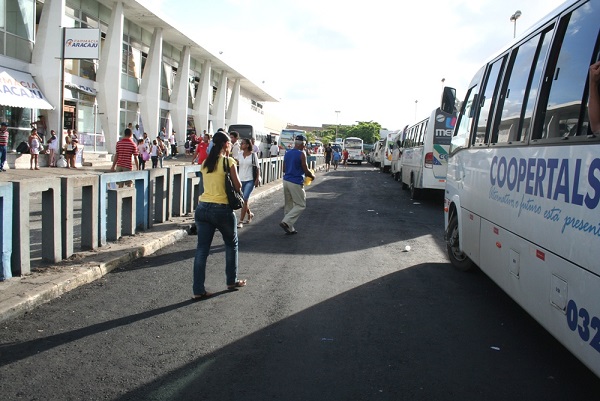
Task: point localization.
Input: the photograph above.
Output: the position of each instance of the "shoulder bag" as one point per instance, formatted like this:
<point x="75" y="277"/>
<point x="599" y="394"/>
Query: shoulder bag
<point x="255" y="170"/>
<point x="235" y="197"/>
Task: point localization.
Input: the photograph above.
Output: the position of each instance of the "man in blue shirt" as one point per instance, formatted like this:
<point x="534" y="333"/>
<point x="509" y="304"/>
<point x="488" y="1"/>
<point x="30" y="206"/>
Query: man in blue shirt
<point x="294" y="171"/>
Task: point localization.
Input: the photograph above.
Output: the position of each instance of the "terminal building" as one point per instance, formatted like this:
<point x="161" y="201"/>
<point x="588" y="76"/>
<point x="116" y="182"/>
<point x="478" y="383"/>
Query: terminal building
<point x="148" y="73"/>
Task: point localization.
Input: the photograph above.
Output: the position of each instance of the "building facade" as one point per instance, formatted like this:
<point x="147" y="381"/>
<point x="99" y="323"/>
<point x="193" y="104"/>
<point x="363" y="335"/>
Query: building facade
<point x="148" y="73"/>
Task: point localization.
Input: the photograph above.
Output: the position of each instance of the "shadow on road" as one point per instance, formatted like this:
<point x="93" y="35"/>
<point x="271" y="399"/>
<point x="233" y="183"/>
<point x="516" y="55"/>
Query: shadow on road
<point x="403" y="336"/>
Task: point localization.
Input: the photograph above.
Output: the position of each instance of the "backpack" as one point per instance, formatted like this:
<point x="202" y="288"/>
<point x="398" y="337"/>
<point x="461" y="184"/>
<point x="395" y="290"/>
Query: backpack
<point x="23" y="147"/>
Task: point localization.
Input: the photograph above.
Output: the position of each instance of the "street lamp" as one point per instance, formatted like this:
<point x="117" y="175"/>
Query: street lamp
<point x="416" y="101"/>
<point x="337" y="116"/>
<point x="514" y="18"/>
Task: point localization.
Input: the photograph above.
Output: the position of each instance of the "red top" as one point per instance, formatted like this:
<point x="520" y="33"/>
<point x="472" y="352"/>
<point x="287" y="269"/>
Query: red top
<point x="125" y="149"/>
<point x="201" y="151"/>
<point x="3" y="138"/>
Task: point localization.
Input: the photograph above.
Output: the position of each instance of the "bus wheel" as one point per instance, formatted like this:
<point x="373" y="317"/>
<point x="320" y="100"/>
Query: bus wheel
<point x="414" y="192"/>
<point x="458" y="258"/>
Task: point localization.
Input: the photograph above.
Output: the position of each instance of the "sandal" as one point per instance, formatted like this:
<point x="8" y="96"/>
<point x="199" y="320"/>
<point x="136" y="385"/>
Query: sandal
<point x="240" y="225"/>
<point x="238" y="284"/>
<point x="201" y="297"/>
<point x="251" y="217"/>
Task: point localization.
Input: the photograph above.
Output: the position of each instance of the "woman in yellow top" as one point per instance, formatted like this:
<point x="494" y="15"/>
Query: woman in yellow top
<point x="213" y="212"/>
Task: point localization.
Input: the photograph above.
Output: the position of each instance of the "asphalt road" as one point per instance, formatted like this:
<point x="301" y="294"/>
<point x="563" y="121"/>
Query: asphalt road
<point x="337" y="312"/>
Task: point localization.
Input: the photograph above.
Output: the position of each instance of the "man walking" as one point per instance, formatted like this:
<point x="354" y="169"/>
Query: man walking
<point x="126" y="149"/>
<point x="3" y="144"/>
<point x="235" y="145"/>
<point x="295" y="169"/>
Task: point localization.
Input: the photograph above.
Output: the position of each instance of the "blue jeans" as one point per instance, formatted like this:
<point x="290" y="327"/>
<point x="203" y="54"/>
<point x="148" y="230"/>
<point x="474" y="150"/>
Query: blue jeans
<point x="2" y="156"/>
<point x="208" y="217"/>
<point x="247" y="188"/>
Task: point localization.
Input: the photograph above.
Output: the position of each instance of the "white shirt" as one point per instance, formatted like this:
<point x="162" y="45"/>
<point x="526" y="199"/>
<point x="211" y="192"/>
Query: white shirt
<point x="245" y="164"/>
<point x="235" y="150"/>
<point x="274" y="150"/>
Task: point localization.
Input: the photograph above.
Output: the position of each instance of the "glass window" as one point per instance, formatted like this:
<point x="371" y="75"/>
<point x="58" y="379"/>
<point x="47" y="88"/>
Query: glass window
<point x="535" y="87"/>
<point x="569" y="76"/>
<point x="465" y="122"/>
<point x="516" y="88"/>
<point x="487" y="102"/>
<point x="20" y="18"/>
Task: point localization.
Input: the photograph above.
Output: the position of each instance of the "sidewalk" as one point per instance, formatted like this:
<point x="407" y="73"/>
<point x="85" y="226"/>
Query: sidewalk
<point x="20" y="294"/>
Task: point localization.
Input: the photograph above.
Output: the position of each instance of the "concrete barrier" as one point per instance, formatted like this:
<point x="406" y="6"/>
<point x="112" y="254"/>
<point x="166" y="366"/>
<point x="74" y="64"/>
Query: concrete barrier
<point x="120" y="219"/>
<point x="89" y="212"/>
<point x="6" y="224"/>
<point x="51" y="225"/>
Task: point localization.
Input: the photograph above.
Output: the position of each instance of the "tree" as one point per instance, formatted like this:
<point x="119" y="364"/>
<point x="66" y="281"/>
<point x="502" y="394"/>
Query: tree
<point x="367" y="131"/>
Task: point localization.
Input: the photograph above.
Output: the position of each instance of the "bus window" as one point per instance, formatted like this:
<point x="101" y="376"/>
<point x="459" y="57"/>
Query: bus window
<point x="465" y="123"/>
<point x="568" y="78"/>
<point x="526" y="125"/>
<point x="487" y="102"/>
<point x="511" y="103"/>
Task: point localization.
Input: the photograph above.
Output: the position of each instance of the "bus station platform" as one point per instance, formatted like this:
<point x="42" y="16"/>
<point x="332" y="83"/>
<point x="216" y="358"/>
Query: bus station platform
<point x="21" y="294"/>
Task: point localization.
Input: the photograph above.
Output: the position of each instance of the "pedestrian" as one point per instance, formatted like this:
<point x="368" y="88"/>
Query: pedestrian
<point x="328" y="154"/>
<point x="146" y="140"/>
<point x="255" y="147"/>
<point x="35" y="142"/>
<point x="173" y="143"/>
<point x="53" y="148"/>
<point x="71" y="141"/>
<point x="3" y="144"/>
<point x="126" y="149"/>
<point x="235" y="144"/>
<point x="40" y="125"/>
<point x="143" y="153"/>
<point x="187" y="145"/>
<point x="274" y="150"/>
<point x="247" y="160"/>
<point x="201" y="150"/>
<point x="162" y="134"/>
<point x="134" y="136"/>
<point x="295" y="169"/>
<point x="137" y="133"/>
<point x="336" y="158"/>
<point x="214" y="213"/>
<point x="162" y="151"/>
<point x="154" y="149"/>
<point x="345" y="158"/>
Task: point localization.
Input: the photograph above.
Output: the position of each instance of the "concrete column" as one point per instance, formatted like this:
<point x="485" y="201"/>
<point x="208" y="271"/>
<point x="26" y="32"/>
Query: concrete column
<point x="109" y="78"/>
<point x="45" y="60"/>
<point x="202" y="101"/>
<point x="179" y="97"/>
<point x="150" y="86"/>
<point x="220" y="102"/>
<point x="232" y="113"/>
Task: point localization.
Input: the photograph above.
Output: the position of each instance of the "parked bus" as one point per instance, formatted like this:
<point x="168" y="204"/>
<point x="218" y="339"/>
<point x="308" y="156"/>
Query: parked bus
<point x="523" y="182"/>
<point x="425" y="147"/>
<point x="288" y="136"/>
<point x="354" y="146"/>
<point x="262" y="139"/>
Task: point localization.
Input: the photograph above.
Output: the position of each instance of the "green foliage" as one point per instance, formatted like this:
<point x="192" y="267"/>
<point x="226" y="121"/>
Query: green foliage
<point x="367" y="131"/>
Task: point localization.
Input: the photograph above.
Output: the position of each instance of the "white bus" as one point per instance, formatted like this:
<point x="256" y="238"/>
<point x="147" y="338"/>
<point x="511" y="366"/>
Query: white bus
<point x="354" y="146"/>
<point x="424" y="159"/>
<point x="288" y="136"/>
<point x="261" y="139"/>
<point x="523" y="182"/>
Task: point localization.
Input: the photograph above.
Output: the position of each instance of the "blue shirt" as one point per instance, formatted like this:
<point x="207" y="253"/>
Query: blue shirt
<point x="293" y="167"/>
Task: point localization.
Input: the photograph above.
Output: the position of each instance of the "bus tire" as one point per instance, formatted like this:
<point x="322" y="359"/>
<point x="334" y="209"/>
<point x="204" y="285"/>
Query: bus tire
<point x="458" y="258"/>
<point x="415" y="193"/>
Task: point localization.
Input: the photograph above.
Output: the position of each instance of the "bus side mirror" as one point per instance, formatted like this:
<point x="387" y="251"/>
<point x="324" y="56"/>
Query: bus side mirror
<point x="448" y="100"/>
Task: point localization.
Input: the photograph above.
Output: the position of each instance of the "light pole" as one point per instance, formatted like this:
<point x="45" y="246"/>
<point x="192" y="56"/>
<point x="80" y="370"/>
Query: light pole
<point x="514" y="18"/>
<point x="416" y="102"/>
<point x="337" y="116"/>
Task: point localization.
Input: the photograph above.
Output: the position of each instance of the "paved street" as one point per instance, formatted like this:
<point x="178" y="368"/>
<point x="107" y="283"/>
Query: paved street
<point x="337" y="312"/>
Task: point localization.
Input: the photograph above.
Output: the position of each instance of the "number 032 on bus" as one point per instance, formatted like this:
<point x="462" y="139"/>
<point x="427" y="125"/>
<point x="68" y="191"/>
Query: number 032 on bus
<point x="523" y="179"/>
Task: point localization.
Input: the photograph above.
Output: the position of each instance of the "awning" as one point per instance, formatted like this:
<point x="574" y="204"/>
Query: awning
<point x="82" y="88"/>
<point x="18" y="89"/>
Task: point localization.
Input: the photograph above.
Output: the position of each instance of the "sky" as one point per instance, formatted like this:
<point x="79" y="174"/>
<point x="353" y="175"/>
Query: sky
<point x="377" y="60"/>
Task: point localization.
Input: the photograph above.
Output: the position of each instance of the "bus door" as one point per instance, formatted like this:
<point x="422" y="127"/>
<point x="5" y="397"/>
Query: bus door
<point x="442" y="135"/>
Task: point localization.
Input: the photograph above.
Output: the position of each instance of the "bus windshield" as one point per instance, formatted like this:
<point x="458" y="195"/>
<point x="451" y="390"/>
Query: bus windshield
<point x="354" y="144"/>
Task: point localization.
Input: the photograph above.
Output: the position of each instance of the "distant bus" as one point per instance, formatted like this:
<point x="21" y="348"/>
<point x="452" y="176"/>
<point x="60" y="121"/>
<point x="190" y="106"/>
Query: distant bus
<point x="424" y="161"/>
<point x="354" y="146"/>
<point x="288" y="136"/>
<point x="261" y="138"/>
